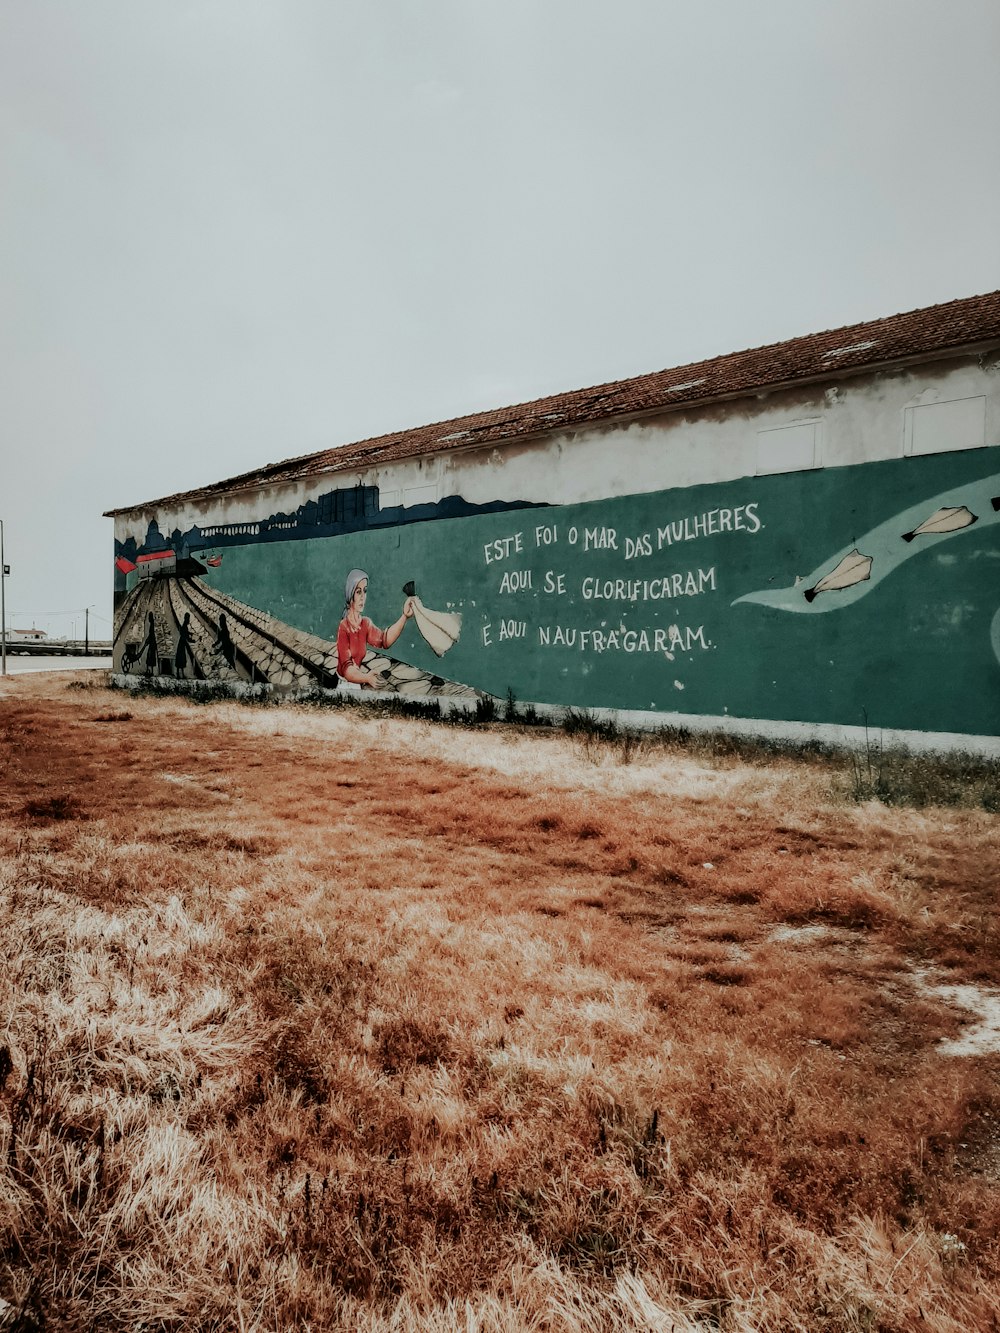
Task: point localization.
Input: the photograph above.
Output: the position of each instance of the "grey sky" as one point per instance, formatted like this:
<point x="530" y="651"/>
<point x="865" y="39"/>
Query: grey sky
<point x="231" y="232"/>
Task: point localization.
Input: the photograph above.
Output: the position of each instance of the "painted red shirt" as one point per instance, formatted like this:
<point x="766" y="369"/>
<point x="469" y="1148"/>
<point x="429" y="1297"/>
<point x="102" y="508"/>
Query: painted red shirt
<point x="352" y="644"/>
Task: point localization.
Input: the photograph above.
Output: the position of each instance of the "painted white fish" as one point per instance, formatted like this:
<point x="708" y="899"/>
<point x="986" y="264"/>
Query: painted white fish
<point x="400" y="671"/>
<point x="854" y="568"/>
<point x="416" y="687"/>
<point x="440" y="628"/>
<point x="951" y="518"/>
<point x="380" y="665"/>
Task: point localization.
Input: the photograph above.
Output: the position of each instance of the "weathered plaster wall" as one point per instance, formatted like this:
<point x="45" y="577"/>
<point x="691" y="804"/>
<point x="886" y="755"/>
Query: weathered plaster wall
<point x="860" y="419"/>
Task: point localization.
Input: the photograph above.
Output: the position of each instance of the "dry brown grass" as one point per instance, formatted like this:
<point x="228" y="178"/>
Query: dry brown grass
<point x="317" y="1021"/>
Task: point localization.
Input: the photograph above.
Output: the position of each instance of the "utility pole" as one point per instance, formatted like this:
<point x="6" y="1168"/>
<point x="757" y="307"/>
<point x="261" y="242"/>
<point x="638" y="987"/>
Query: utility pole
<point x="86" y="633"/>
<point x="3" y="606"/>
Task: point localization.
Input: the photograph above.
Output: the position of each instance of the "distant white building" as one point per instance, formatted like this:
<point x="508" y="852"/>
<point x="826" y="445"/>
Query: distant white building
<point x="28" y="635"/>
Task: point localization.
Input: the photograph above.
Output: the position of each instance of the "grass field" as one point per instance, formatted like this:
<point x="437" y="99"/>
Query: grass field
<point x="317" y="1019"/>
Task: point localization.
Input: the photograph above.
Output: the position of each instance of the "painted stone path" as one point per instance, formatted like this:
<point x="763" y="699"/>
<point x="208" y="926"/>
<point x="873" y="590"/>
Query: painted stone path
<point x="180" y="627"/>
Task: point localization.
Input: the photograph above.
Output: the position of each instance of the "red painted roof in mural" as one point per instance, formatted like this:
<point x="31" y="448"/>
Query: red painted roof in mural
<point x="817" y="356"/>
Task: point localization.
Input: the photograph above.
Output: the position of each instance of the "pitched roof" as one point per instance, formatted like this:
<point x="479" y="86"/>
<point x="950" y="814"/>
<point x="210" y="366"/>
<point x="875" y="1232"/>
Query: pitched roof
<point x="817" y="356"/>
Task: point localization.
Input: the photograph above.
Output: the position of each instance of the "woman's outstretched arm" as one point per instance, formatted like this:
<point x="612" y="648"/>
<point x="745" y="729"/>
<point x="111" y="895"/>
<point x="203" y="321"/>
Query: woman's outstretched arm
<point x="395" y="630"/>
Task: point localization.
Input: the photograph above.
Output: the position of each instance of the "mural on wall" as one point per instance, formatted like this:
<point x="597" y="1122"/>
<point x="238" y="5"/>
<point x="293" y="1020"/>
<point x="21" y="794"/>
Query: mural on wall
<point x="177" y="625"/>
<point x="675" y="601"/>
<point x="356" y="635"/>
<point x="890" y="544"/>
<point x="345" y="509"/>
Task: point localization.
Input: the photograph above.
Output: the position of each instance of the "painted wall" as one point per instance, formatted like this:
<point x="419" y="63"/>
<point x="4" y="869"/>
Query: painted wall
<point x="865" y="583"/>
<point x="863" y="418"/>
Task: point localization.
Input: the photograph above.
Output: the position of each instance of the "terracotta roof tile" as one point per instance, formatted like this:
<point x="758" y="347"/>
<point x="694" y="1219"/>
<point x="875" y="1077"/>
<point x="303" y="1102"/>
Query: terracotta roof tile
<point x="817" y="356"/>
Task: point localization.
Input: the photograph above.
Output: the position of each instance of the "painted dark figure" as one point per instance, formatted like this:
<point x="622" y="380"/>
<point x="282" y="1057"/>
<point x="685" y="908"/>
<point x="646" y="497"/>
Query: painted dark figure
<point x="183" y="651"/>
<point x="224" y="643"/>
<point x="150" y="646"/>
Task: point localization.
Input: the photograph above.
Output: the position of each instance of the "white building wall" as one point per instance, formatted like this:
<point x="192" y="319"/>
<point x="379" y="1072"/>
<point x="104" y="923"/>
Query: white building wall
<point x="858" y="421"/>
<point x="865" y="418"/>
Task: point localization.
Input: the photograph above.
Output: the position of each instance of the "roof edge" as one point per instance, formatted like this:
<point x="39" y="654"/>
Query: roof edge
<point x="946" y="330"/>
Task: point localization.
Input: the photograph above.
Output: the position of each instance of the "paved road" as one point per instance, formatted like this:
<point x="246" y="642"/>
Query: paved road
<point x="17" y="664"/>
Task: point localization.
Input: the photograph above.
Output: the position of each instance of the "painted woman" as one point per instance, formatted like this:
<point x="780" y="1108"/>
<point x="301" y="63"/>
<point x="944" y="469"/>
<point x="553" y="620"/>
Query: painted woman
<point x="183" y="653"/>
<point x="356" y="633"/>
<point x="224" y="643"/>
<point x="150" y="646"/>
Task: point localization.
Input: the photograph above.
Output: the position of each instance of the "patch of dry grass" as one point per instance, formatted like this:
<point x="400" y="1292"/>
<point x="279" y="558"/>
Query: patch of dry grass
<point x="311" y="1020"/>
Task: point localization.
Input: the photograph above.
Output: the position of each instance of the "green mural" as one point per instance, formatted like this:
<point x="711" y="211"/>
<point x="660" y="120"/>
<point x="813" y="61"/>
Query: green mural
<point x="823" y="596"/>
<point x="679" y="600"/>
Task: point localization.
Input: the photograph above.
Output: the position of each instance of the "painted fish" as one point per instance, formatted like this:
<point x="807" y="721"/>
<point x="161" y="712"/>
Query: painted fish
<point x="440" y="629"/>
<point x="952" y="518"/>
<point x="417" y="687"/>
<point x="400" y="671"/>
<point x="854" y="568"/>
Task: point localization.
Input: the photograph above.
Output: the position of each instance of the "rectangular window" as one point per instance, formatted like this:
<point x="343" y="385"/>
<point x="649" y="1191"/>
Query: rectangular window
<point x="419" y="495"/>
<point x="791" y="448"/>
<point x="941" y="428"/>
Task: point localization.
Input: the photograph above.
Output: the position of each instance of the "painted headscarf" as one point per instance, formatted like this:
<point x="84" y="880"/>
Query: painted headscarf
<point x="353" y="579"/>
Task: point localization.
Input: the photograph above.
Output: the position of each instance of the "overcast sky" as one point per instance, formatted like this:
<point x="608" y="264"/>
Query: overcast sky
<point x="232" y="232"/>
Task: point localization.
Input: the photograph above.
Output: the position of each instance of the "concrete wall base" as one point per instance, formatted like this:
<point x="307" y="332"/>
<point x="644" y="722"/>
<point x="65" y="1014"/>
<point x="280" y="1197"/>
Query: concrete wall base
<point x="791" y="733"/>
